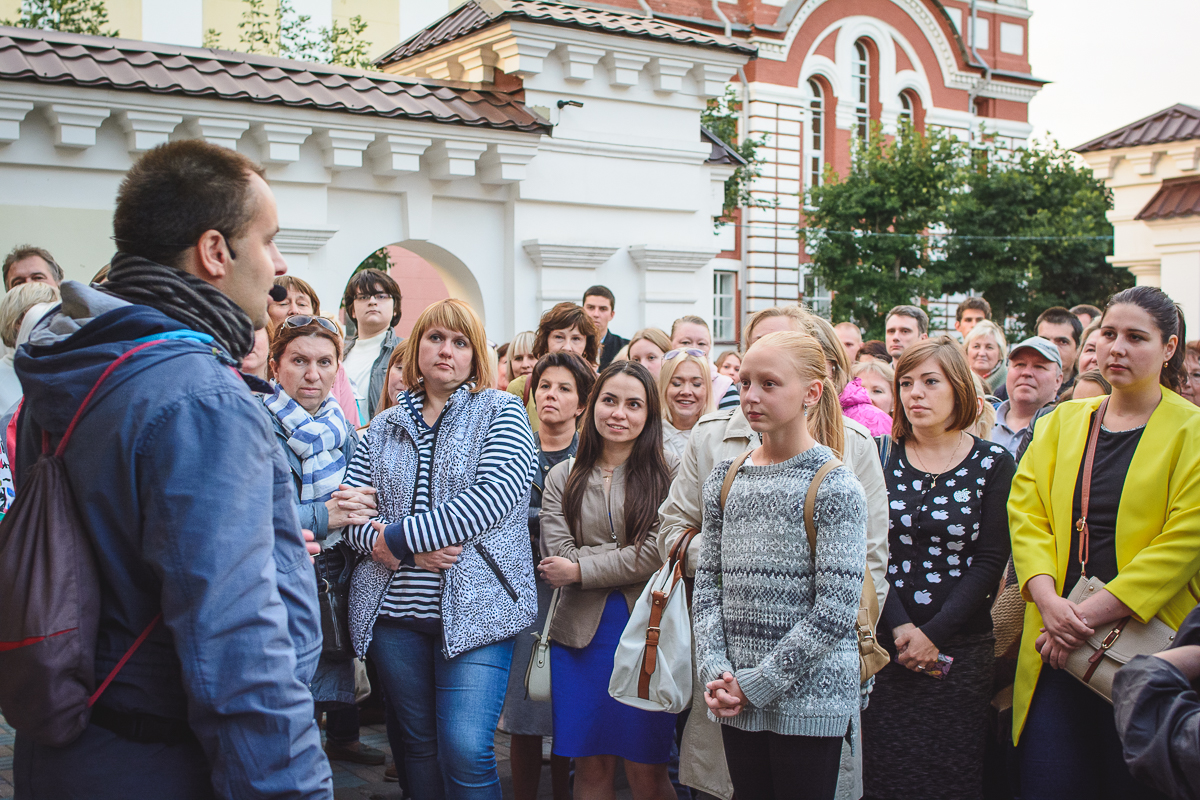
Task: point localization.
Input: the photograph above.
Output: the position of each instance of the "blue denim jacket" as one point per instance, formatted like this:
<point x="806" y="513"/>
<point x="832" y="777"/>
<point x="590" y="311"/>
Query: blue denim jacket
<point x="189" y="503"/>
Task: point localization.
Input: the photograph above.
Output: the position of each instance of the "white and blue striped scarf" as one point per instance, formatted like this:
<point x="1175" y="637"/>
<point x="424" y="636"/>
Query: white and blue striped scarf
<point x="317" y="440"/>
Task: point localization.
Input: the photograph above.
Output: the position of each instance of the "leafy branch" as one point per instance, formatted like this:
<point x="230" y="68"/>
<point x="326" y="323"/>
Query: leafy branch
<point x="69" y="16"/>
<point x="721" y="117"/>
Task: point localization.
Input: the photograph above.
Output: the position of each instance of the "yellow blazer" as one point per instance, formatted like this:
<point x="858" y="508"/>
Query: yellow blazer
<point x="1158" y="521"/>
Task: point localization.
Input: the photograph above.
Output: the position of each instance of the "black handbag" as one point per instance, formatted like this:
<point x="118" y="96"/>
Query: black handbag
<point x="335" y="567"/>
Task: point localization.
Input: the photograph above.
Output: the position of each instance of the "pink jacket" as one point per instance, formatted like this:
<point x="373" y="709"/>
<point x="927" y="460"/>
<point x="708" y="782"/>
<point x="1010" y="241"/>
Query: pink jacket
<point x="856" y="404"/>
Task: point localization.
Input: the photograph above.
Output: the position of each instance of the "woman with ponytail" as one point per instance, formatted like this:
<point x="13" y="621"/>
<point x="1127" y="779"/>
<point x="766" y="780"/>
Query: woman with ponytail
<point x="925" y="728"/>
<point x="1143" y="522"/>
<point x="774" y="617"/>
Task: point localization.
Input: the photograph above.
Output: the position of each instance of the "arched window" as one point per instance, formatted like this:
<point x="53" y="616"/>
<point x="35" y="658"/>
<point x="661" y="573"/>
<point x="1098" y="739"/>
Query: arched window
<point x="862" y="90"/>
<point x="906" y="108"/>
<point x="816" y="134"/>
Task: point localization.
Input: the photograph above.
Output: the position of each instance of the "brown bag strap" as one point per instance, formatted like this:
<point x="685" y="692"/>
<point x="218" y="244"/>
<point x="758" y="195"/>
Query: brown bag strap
<point x="730" y="475"/>
<point x="810" y="504"/>
<point x="1089" y="458"/>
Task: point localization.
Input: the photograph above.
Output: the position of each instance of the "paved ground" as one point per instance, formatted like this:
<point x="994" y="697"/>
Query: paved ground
<point x="350" y="781"/>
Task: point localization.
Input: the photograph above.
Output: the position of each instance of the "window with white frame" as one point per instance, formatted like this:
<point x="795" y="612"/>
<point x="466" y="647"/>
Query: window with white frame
<point x="817" y="296"/>
<point x="816" y="133"/>
<point x="724" y="318"/>
<point x="862" y="90"/>
<point x="906" y="109"/>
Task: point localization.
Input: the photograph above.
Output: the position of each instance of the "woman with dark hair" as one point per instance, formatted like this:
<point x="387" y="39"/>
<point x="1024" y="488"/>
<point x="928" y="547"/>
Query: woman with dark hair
<point x="564" y="328"/>
<point x="600" y="545"/>
<point x="1142" y="540"/>
<point x="562" y="383"/>
<point x="372" y="305"/>
<point x="947" y="490"/>
<point x="873" y="348"/>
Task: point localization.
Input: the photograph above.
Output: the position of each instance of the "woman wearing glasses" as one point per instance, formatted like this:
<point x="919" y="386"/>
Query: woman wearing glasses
<point x="686" y="394"/>
<point x="319" y="443"/>
<point x="372" y="303"/>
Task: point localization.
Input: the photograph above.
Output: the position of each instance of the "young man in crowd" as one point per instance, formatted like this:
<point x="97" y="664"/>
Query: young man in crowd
<point x="850" y="337"/>
<point x="26" y="264"/>
<point x="1034" y="375"/>
<point x="372" y="303"/>
<point x="970" y="313"/>
<point x="1062" y="328"/>
<point x="904" y="327"/>
<point x="600" y="306"/>
<point x="186" y="499"/>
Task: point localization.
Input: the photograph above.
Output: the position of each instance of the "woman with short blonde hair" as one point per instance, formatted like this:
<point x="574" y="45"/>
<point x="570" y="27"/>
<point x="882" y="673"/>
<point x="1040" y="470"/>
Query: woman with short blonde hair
<point x="987" y="354"/>
<point x="685" y="393"/>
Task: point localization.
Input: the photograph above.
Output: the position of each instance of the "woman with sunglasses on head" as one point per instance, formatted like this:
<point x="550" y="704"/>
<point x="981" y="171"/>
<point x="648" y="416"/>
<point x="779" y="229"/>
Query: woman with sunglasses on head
<point x="692" y="333"/>
<point x="599" y="544"/>
<point x="319" y="443"/>
<point x="449" y="582"/>
<point x="686" y="394"/>
<point x="1141" y="538"/>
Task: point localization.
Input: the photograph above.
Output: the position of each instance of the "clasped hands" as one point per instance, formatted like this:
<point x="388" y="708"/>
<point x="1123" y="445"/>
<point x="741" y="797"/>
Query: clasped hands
<point x="914" y="650"/>
<point x="724" y="697"/>
<point x="351" y="505"/>
<point x="433" y="561"/>
<point x="1064" y="631"/>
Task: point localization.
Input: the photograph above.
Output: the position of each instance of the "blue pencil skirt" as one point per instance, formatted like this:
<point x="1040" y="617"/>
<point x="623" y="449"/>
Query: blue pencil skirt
<point x="587" y="722"/>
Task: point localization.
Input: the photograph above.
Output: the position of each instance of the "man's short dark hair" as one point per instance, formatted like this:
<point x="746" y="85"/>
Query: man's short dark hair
<point x="1057" y="315"/>
<point x="24" y="251"/>
<point x="176" y="192"/>
<point x="914" y="312"/>
<point x="371" y="281"/>
<point x="973" y="304"/>
<point x="1090" y="310"/>
<point x="601" y="291"/>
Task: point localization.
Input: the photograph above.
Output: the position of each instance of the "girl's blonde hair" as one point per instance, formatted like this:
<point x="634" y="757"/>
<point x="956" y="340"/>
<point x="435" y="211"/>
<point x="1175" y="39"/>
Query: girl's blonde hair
<point x="808" y="358"/>
<point x="795" y="313"/>
<point x="876" y="366"/>
<point x="521" y="344"/>
<point x="654" y="336"/>
<point x="453" y="315"/>
<point x="668" y="372"/>
<point x="835" y="353"/>
<point x="987" y="412"/>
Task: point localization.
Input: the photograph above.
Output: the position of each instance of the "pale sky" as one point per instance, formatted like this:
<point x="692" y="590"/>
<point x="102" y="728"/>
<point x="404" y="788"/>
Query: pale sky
<point x="1111" y="62"/>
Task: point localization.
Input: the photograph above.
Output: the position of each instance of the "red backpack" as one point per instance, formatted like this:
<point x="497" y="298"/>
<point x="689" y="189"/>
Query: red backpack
<point x="50" y="594"/>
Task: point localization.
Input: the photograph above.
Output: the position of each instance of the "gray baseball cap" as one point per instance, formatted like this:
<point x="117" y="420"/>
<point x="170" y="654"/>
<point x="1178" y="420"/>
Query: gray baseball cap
<point x="1042" y="345"/>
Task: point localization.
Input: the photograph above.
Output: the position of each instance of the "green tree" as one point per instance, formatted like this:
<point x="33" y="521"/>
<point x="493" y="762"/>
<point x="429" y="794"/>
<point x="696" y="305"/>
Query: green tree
<point x="69" y="16"/>
<point x="1031" y="233"/>
<point x="381" y="260"/>
<point x="286" y="33"/>
<point x="867" y="232"/>
<point x="721" y="116"/>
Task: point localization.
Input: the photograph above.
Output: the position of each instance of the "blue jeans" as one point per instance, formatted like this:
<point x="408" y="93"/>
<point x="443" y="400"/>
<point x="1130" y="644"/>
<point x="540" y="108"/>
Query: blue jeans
<point x="1070" y="749"/>
<point x="448" y="711"/>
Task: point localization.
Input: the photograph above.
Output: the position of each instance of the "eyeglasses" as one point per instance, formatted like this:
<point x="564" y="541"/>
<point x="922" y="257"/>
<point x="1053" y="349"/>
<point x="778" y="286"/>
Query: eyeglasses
<point x="301" y="320"/>
<point x="381" y="297"/>
<point x="689" y="351"/>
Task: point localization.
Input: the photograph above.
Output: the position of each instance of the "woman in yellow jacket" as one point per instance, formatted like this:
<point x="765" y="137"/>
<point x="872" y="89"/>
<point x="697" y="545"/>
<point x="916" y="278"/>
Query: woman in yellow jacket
<point x="1144" y="519"/>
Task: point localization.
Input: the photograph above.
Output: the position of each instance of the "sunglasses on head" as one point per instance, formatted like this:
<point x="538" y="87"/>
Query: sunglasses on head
<point x="301" y="320"/>
<point x="687" y="350"/>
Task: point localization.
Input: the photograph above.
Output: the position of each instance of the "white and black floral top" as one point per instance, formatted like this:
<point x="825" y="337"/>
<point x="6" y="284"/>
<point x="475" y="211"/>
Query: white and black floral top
<point x="949" y="541"/>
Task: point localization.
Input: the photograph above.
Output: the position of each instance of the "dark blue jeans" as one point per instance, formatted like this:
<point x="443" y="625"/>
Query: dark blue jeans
<point x="1070" y="749"/>
<point x="448" y="711"/>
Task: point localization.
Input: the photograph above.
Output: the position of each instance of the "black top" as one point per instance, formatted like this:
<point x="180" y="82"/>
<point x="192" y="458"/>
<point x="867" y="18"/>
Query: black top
<point x="949" y="542"/>
<point x="1114" y="453"/>
<point x="609" y="347"/>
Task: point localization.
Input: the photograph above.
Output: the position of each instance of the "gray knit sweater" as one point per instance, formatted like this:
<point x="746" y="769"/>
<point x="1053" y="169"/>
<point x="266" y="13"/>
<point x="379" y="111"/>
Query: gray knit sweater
<point x="759" y="610"/>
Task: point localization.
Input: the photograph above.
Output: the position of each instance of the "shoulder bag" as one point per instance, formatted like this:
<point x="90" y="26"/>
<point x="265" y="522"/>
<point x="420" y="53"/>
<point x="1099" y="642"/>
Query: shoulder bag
<point x="1112" y="646"/>
<point x="335" y="567"/>
<point x="537" y="674"/>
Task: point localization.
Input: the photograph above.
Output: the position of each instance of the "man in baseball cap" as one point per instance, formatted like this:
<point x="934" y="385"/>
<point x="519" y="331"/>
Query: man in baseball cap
<point x="1034" y="374"/>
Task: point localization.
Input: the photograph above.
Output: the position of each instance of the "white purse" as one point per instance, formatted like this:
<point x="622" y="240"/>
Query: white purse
<point x="652" y="668"/>
<point x="537" y="674"/>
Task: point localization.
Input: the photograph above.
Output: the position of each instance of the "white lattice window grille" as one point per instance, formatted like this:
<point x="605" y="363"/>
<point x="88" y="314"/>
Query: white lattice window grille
<point x="816" y="296"/>
<point x="862" y="91"/>
<point x="724" y="318"/>
<point x="816" y="134"/>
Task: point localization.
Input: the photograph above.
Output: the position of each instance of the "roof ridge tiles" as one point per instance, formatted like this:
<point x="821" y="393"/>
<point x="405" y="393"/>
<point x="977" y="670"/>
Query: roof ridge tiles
<point x="1171" y="124"/>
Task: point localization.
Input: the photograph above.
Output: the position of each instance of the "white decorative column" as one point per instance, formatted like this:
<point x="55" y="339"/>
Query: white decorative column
<point x="565" y="269"/>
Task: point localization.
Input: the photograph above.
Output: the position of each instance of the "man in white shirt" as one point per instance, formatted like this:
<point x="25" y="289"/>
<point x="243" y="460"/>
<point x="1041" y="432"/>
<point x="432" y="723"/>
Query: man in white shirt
<point x="1034" y="375"/>
<point x="372" y="303"/>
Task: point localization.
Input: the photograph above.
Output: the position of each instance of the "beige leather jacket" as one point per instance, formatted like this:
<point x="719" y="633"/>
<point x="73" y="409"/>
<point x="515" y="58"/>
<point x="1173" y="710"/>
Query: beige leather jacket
<point x="606" y="560"/>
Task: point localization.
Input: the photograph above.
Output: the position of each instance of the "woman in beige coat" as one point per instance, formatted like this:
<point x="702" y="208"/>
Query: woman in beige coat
<point x="599" y="524"/>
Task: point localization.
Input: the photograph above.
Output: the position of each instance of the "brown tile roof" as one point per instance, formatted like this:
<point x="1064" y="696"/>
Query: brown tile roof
<point x="51" y="57"/>
<point x="721" y="153"/>
<point x="1172" y="124"/>
<point x="476" y="15"/>
<point x="1177" y="197"/>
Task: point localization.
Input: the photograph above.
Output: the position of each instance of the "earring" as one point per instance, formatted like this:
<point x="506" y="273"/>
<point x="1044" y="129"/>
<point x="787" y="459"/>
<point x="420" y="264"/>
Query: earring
<point x="805" y="410"/>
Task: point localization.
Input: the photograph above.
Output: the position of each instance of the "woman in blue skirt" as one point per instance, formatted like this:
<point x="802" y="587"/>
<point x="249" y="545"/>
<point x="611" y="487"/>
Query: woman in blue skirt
<point x="600" y="545"/>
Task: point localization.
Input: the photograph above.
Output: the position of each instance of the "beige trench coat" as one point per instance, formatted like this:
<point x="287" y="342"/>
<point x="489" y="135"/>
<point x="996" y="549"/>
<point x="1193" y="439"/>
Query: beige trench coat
<point x="715" y="438"/>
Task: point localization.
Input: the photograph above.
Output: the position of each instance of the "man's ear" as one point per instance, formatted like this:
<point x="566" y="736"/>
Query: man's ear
<point x="211" y="256"/>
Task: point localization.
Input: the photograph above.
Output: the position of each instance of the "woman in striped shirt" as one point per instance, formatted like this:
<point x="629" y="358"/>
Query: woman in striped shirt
<point x="450" y="578"/>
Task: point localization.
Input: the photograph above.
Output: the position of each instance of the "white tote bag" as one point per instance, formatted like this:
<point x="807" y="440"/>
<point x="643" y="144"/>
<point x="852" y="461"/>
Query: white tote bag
<point x="652" y="668"/>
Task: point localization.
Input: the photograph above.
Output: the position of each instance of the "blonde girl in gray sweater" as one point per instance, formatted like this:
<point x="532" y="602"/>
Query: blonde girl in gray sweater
<point x="774" y="621"/>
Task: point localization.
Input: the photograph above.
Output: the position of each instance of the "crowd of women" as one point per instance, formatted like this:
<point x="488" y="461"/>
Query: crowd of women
<point x="470" y="508"/>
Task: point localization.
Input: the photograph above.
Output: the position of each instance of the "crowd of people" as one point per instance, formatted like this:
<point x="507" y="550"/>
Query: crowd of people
<point x="257" y="453"/>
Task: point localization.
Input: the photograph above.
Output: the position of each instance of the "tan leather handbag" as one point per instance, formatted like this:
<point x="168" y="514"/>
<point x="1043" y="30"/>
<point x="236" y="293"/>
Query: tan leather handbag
<point x="1112" y="646"/>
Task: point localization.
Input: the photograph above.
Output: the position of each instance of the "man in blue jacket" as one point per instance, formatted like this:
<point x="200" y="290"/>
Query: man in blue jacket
<point x="187" y="498"/>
